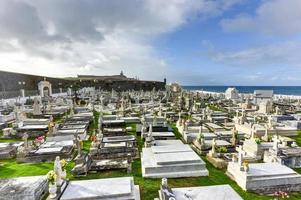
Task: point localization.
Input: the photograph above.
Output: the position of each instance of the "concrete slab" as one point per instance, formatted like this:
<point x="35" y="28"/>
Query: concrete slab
<point x="216" y="192"/>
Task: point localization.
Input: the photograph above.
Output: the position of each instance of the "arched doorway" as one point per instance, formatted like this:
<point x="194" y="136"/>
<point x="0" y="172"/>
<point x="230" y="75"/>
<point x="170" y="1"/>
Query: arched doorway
<point x="45" y="88"/>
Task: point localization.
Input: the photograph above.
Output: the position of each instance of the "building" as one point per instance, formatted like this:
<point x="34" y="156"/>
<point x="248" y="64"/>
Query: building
<point x="231" y="93"/>
<point x="263" y="96"/>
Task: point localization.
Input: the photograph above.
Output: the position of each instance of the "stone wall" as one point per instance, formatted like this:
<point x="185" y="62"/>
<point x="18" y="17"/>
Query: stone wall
<point x="10" y="87"/>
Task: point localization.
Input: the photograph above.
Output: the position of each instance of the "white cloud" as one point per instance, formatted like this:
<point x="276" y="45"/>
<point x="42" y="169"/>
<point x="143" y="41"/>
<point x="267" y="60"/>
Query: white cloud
<point x="240" y="23"/>
<point x="275" y="17"/>
<point x="286" y="53"/>
<point x="67" y="37"/>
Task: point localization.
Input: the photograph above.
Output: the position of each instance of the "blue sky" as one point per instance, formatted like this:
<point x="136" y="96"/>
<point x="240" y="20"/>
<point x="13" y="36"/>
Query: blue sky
<point x="192" y="42"/>
<point x="193" y="46"/>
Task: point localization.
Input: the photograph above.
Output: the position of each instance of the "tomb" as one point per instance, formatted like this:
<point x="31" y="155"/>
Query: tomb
<point x="263" y="178"/>
<point x="283" y="154"/>
<point x="171" y="159"/>
<point x="215" y="192"/>
<point x="25" y="188"/>
<point x="116" y="147"/>
<point x="47" y="151"/>
<point x="9" y="150"/>
<point x="109" y="189"/>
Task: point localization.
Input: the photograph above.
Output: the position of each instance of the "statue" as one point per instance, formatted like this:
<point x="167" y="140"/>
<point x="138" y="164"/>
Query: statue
<point x="275" y="143"/>
<point x="50" y="128"/>
<point x="77" y="142"/>
<point x="234" y="137"/>
<point x="58" y="171"/>
<point x="212" y="152"/>
<point x="36" y="107"/>
<point x="25" y="138"/>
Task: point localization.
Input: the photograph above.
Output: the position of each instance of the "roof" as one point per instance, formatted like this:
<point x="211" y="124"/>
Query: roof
<point x="263" y="93"/>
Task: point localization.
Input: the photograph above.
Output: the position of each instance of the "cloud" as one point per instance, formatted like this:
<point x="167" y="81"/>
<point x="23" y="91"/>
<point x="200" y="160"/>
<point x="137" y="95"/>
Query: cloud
<point x="67" y="37"/>
<point x="273" y="17"/>
<point x="284" y="53"/>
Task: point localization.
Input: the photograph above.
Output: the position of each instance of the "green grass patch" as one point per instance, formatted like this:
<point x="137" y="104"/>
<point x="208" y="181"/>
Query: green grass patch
<point x="176" y="131"/>
<point x="10" y="168"/>
<point x="297" y="138"/>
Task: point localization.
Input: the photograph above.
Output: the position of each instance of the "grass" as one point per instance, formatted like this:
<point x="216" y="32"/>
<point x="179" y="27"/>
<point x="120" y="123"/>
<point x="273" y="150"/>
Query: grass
<point x="10" y="140"/>
<point x="176" y="131"/>
<point x="297" y="138"/>
<point x="214" y="107"/>
<point x="148" y="187"/>
<point x="138" y="138"/>
<point x="10" y="168"/>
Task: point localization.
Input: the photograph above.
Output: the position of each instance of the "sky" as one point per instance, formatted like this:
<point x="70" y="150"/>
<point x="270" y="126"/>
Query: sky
<point x="191" y="42"/>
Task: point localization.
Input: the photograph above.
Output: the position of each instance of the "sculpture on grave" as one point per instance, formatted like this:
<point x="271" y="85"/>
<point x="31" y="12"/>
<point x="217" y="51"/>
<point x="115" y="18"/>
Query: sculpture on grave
<point x="58" y="171"/>
<point x="234" y="139"/>
<point x="212" y="152"/>
<point x="36" y="107"/>
<point x="77" y="142"/>
<point x="149" y="138"/>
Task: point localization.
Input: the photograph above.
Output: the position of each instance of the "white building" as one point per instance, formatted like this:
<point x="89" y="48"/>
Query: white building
<point x="231" y="93"/>
<point x="262" y="96"/>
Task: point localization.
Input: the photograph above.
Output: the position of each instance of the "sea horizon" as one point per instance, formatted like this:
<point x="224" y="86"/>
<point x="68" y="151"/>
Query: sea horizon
<point x="280" y="90"/>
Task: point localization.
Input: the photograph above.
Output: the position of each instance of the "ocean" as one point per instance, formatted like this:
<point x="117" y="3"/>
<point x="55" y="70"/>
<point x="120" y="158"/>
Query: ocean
<point x="284" y="90"/>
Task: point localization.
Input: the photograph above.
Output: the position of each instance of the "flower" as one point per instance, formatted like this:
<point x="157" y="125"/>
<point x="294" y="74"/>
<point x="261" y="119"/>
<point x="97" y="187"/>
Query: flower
<point x="93" y="138"/>
<point x="51" y="176"/>
<point x="63" y="163"/>
<point x="281" y="194"/>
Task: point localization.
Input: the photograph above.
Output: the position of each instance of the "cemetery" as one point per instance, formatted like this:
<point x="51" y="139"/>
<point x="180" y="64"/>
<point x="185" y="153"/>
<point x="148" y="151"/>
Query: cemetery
<point x="81" y="146"/>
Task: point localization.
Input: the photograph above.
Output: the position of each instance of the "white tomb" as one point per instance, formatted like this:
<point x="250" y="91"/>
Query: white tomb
<point x="171" y="159"/>
<point x="263" y="178"/>
<point x="109" y="189"/>
<point x="214" y="192"/>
